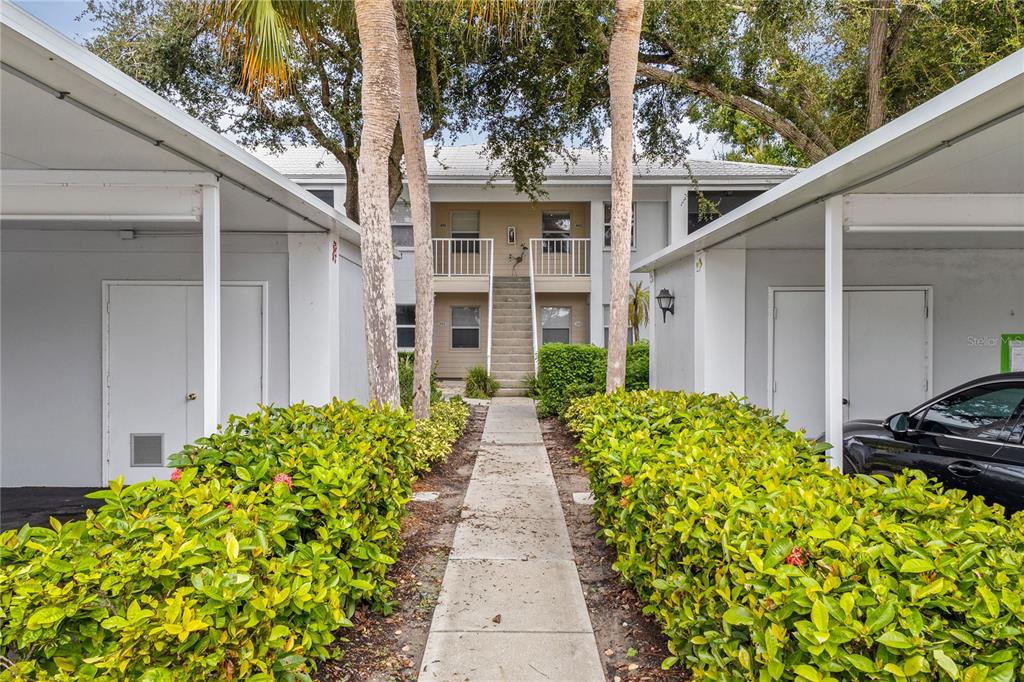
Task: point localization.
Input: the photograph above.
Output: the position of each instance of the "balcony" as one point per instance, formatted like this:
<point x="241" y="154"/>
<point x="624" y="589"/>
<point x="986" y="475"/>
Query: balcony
<point x="462" y="264"/>
<point x="560" y="264"/>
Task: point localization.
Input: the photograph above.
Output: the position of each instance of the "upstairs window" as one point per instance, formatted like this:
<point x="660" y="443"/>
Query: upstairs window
<point x="406" y="317"/>
<point x="556" y="226"/>
<point x="401" y="224"/>
<point x="608" y="226"/>
<point x="324" y="195"/>
<point x="465" y="225"/>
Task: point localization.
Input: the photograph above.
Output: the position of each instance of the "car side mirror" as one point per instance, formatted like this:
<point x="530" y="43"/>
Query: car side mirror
<point x="898" y="424"/>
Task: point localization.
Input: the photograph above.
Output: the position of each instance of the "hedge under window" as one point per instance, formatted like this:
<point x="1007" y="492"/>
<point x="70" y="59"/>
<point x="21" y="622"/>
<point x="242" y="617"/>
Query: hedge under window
<point x="465" y="326"/>
<point x="555" y="324"/>
<point x="406" y="316"/>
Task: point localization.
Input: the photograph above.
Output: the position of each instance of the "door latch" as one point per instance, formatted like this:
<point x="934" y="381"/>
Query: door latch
<point x="191" y="396"/>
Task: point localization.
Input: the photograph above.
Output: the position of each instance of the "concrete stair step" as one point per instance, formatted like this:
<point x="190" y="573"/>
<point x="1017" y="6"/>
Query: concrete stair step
<point x="509" y="392"/>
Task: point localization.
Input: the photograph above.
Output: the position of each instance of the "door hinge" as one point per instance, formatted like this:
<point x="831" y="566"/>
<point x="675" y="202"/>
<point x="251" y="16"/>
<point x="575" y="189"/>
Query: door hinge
<point x="926" y="312"/>
<point x="775" y="313"/>
<point x="775" y="387"/>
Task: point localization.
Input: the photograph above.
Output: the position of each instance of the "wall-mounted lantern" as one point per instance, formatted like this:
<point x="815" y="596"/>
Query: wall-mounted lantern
<point x="667" y="303"/>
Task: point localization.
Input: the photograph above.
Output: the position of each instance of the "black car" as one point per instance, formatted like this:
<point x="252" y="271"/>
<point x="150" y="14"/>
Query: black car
<point x="971" y="437"/>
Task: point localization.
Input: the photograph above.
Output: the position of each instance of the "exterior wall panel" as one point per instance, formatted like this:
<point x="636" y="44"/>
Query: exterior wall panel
<point x="51" y="341"/>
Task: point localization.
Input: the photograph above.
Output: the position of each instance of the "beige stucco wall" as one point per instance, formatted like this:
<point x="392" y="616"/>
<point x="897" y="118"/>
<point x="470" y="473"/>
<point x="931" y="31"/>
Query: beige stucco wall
<point x="453" y="363"/>
<point x="496" y="217"/>
<point x="579" y="321"/>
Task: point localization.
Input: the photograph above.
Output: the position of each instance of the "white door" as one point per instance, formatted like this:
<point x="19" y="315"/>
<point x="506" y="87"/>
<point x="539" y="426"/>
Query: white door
<point x="155" y="369"/>
<point x="798" y="342"/>
<point x="885" y="354"/>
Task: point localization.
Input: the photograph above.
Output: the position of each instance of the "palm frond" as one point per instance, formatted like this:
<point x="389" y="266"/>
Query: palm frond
<point x="263" y="31"/>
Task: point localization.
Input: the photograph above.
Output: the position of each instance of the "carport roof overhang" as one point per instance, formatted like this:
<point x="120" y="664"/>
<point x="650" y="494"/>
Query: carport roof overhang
<point x="967" y="141"/>
<point x="63" y="108"/>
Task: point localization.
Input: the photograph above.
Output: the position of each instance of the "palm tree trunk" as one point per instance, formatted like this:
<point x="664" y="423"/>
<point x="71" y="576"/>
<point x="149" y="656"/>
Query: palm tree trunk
<point x="622" y="63"/>
<point x="419" y="198"/>
<point x="380" y="91"/>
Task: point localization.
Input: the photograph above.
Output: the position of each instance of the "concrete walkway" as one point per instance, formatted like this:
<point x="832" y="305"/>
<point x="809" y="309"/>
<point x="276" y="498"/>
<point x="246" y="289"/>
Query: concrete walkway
<point x="511" y="606"/>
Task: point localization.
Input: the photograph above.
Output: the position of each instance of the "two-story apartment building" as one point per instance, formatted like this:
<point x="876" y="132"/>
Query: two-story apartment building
<point x="511" y="273"/>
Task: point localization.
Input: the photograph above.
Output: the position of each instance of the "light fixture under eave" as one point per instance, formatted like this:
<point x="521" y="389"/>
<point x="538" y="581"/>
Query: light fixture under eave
<point x="667" y="303"/>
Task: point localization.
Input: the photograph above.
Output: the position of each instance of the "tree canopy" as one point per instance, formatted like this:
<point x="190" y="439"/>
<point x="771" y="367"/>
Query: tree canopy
<point x="781" y="81"/>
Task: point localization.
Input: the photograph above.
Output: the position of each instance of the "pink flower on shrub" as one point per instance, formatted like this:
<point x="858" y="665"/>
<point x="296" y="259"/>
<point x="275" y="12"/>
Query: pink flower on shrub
<point x="283" y="478"/>
<point x="797" y="557"/>
<point x="175" y="475"/>
<point x="229" y="506"/>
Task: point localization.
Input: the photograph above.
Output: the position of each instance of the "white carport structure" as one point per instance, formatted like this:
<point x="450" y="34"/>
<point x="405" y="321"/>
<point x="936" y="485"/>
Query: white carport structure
<point x="890" y="271"/>
<point x="155" y="276"/>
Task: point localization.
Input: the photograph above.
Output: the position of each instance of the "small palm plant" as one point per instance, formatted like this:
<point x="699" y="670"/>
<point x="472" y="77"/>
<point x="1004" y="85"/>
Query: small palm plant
<point x="638" y="309"/>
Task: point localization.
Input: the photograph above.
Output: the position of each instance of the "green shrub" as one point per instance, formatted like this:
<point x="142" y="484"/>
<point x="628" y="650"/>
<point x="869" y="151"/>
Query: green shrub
<point x="405" y="380"/>
<point x="531" y="385"/>
<point x="570" y="371"/>
<point x="434" y="437"/>
<point x="480" y="384"/>
<point x="242" y="567"/>
<point x="638" y="357"/>
<point x="760" y="562"/>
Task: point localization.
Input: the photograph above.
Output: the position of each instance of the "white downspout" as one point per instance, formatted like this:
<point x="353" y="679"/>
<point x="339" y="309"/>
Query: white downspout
<point x="533" y="308"/>
<point x="490" y="303"/>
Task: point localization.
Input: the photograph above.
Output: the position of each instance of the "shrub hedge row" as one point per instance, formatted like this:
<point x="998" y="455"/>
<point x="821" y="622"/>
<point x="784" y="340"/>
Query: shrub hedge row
<point x="568" y="371"/>
<point x="242" y="566"/>
<point x="405" y="379"/>
<point x="760" y="562"/>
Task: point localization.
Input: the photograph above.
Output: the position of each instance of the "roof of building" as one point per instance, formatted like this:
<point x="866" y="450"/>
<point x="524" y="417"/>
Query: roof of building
<point x="65" y="108"/>
<point x="968" y="140"/>
<point x="471" y="162"/>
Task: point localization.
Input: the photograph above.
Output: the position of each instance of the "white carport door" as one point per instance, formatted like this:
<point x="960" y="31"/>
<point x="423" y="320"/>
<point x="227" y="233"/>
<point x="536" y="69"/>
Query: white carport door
<point x="885" y="354"/>
<point x="154" y="369"/>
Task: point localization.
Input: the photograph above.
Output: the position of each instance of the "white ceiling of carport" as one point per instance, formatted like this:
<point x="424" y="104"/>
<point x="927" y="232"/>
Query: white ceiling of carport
<point x="40" y="131"/>
<point x="990" y="162"/>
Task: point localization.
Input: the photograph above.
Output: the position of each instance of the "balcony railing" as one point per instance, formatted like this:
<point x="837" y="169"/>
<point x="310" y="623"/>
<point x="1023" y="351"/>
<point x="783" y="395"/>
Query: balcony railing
<point x="463" y="257"/>
<point x="560" y="257"/>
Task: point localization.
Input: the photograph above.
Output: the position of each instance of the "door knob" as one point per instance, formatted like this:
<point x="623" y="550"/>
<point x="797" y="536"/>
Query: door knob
<point x="191" y="396"/>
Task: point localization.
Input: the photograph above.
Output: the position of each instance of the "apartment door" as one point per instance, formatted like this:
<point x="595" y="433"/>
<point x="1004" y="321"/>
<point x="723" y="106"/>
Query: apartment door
<point x="886" y="357"/>
<point x="153" y="364"/>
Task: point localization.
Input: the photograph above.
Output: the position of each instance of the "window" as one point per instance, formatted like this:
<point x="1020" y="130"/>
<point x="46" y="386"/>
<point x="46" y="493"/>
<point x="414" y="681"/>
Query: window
<point x="465" y="326"/>
<point x="401" y="224"/>
<point x="324" y="195"/>
<point x="465" y="225"/>
<point x="982" y="412"/>
<point x="556" y="226"/>
<point x="555" y="324"/>
<point x="608" y="226"/>
<point x="406" y="315"/>
<point x="715" y="204"/>
<point x="629" y="330"/>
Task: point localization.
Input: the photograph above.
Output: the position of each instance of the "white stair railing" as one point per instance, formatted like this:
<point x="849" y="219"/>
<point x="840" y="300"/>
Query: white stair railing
<point x="560" y="257"/>
<point x="533" y="310"/>
<point x="463" y="257"/>
<point x="490" y="306"/>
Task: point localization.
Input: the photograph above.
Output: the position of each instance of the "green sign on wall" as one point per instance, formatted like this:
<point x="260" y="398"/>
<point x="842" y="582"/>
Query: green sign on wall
<point x="1011" y="351"/>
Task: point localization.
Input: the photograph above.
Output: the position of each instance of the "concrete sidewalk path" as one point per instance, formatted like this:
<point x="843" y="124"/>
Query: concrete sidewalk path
<point x="511" y="606"/>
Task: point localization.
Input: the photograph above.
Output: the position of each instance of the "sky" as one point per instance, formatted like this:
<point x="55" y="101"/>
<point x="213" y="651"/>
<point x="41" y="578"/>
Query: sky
<point x="63" y="16"/>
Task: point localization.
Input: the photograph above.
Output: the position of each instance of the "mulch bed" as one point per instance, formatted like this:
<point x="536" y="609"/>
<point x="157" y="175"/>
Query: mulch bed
<point x="389" y="647"/>
<point x="620" y="626"/>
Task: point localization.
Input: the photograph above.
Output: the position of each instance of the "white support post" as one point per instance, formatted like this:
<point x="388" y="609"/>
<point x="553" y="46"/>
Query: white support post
<point x="834" y="328"/>
<point x="719" y="324"/>
<point x="678" y="218"/>
<point x="314" y="319"/>
<point x="211" y="308"/>
<point x="597" y="273"/>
